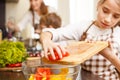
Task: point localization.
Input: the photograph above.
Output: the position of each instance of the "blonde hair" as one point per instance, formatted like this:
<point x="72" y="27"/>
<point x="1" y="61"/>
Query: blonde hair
<point x="102" y="1"/>
<point x="117" y="1"/>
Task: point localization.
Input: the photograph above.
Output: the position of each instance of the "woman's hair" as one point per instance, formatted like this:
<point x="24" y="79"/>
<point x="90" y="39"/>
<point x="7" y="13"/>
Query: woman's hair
<point x="43" y="11"/>
<point x="117" y="1"/>
<point x="51" y="19"/>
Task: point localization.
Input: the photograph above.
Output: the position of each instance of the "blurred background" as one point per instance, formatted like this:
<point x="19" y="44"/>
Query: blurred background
<point x="71" y="11"/>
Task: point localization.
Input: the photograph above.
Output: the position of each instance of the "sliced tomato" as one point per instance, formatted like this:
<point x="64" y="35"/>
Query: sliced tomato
<point x="66" y="53"/>
<point x="14" y="65"/>
<point x="38" y="77"/>
<point x="43" y="73"/>
<point x="57" y="56"/>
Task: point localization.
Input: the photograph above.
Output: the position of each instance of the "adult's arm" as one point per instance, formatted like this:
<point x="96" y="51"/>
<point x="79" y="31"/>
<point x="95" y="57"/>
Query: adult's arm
<point x="27" y="18"/>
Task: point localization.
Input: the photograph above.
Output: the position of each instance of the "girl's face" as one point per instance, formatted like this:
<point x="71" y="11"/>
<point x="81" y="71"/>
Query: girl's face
<point x="35" y="4"/>
<point x="108" y="14"/>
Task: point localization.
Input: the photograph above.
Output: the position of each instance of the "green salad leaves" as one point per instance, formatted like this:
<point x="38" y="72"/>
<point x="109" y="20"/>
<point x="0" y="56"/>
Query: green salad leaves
<point x="12" y="52"/>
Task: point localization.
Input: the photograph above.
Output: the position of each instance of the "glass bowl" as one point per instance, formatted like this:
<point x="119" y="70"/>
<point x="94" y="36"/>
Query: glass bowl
<point x="51" y="72"/>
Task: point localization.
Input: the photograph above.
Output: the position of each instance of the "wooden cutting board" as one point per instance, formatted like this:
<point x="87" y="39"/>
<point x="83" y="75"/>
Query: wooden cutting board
<point x="14" y="69"/>
<point x="79" y="52"/>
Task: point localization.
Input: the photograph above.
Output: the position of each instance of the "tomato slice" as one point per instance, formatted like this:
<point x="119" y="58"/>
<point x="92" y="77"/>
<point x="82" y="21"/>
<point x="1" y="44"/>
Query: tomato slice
<point x="66" y="53"/>
<point x="43" y="73"/>
<point x="38" y="77"/>
<point x="14" y="65"/>
<point x="57" y="56"/>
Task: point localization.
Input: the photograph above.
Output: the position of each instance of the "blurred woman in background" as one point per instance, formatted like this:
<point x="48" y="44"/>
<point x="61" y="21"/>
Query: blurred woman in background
<point x="37" y="9"/>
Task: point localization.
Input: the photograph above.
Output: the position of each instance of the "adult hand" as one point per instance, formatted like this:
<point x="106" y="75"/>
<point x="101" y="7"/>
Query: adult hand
<point x="11" y="25"/>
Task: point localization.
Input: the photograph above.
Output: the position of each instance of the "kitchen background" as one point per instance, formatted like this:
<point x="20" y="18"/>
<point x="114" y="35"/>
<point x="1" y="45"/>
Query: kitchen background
<point x="71" y="11"/>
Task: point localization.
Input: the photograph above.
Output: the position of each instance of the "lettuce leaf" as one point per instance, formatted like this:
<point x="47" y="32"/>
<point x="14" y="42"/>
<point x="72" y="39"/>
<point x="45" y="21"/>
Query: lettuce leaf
<point x="12" y="52"/>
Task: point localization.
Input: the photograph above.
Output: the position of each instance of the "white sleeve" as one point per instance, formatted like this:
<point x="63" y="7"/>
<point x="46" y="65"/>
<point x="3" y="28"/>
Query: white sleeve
<point x="69" y="32"/>
<point x="25" y="20"/>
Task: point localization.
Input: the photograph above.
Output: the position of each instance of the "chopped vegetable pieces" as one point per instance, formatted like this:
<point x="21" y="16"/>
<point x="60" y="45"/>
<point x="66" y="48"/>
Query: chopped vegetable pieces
<point x="47" y="74"/>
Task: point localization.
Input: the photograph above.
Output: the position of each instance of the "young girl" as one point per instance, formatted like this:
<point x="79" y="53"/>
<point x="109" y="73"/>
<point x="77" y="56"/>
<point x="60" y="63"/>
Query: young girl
<point x="106" y="64"/>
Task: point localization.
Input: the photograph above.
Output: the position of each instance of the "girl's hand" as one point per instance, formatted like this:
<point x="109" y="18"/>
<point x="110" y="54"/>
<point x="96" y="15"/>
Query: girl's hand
<point x="53" y="51"/>
<point x="49" y="47"/>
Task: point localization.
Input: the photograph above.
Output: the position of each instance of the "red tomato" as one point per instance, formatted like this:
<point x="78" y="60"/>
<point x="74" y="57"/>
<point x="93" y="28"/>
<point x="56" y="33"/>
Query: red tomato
<point x="57" y="56"/>
<point x="38" y="77"/>
<point x="50" y="57"/>
<point x="14" y="65"/>
<point x="43" y="73"/>
<point x="64" y="55"/>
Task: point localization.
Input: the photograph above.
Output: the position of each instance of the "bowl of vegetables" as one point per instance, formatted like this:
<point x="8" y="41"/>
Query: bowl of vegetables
<point x="51" y="72"/>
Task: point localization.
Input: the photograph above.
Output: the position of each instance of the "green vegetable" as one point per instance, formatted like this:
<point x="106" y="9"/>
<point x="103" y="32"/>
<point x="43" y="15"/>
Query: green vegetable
<point x="12" y="52"/>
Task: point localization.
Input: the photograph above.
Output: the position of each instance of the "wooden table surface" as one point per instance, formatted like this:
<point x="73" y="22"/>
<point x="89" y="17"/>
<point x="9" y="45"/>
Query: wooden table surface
<point x="7" y="75"/>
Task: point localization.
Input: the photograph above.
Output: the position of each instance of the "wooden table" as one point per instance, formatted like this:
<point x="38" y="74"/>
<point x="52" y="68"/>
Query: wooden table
<point x="7" y="75"/>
